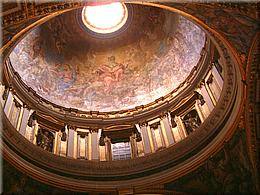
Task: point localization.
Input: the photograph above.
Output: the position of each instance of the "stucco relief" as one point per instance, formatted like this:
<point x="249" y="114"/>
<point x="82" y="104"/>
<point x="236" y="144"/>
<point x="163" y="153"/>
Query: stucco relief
<point x="109" y="79"/>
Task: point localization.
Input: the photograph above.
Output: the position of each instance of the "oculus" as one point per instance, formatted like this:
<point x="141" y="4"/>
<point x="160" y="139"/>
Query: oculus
<point x="107" y="18"/>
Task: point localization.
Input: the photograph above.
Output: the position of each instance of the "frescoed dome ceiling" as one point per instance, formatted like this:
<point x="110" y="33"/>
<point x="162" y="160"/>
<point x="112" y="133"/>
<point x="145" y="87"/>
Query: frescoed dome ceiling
<point x="70" y="66"/>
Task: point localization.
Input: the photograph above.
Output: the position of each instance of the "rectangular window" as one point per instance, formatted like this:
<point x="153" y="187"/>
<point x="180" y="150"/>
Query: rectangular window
<point x="121" y="151"/>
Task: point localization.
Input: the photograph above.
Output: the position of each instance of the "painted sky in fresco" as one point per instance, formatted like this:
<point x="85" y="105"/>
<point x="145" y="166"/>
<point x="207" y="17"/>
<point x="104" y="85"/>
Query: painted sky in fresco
<point x="110" y="79"/>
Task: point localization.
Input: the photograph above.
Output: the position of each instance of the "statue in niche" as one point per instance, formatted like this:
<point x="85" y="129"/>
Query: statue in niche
<point x="173" y="122"/>
<point x="63" y="134"/>
<point x="138" y="136"/>
<point x="45" y="139"/>
<point x="5" y="94"/>
<point x="102" y="139"/>
<point x="191" y="121"/>
<point x="32" y="118"/>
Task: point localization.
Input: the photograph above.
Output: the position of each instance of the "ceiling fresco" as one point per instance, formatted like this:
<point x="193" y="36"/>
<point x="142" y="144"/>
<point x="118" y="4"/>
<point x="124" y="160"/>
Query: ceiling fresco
<point x="69" y="67"/>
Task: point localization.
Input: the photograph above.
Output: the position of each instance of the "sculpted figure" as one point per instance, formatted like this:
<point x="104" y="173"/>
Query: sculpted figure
<point x="44" y="139"/>
<point x="192" y="121"/>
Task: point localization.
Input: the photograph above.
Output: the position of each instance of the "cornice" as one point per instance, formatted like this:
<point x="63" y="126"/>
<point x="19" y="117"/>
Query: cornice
<point x="252" y="105"/>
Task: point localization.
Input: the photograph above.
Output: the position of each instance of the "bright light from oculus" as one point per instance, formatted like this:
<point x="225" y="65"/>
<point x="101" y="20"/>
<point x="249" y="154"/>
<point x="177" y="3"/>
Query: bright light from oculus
<point x="105" y="18"/>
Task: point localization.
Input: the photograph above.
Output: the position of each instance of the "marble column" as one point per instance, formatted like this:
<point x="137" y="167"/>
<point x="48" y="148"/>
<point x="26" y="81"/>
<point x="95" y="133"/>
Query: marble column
<point x="161" y="135"/>
<point x="207" y="83"/>
<point x="86" y="146"/>
<point x="181" y="127"/>
<point x="139" y="144"/>
<point x="8" y="104"/>
<point x="19" y="121"/>
<point x="13" y="113"/>
<point x="133" y="145"/>
<point x="203" y="91"/>
<point x="145" y="139"/>
<point x="24" y="120"/>
<point x="35" y="131"/>
<point x="152" y="138"/>
<point x="102" y="153"/>
<point x="199" y="109"/>
<point x="78" y="146"/>
<point x="108" y="148"/>
<point x="166" y="130"/>
<point x="57" y="140"/>
<point x="90" y="153"/>
<point x="2" y="91"/>
<point x="94" y="144"/>
<point x="72" y="144"/>
<point x="217" y="76"/>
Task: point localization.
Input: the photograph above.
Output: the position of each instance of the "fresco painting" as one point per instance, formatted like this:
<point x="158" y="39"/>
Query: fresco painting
<point x="134" y="74"/>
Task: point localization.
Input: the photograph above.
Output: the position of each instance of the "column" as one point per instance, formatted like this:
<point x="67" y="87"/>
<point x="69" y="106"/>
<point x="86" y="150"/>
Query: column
<point x="94" y="144"/>
<point x="181" y="127"/>
<point x="161" y="135"/>
<point x="13" y="114"/>
<point x="166" y="130"/>
<point x="35" y="131"/>
<point x="8" y="103"/>
<point x="71" y="143"/>
<point x="175" y="131"/>
<point x="29" y="126"/>
<point x="102" y="147"/>
<point x="133" y="145"/>
<point x="20" y="118"/>
<point x="139" y="141"/>
<point x="2" y="91"/>
<point x="57" y="142"/>
<point x="206" y="97"/>
<point x="90" y="153"/>
<point x="108" y="148"/>
<point x="145" y="138"/>
<point x="217" y="76"/>
<point x="198" y="108"/>
<point x="63" y="141"/>
<point x="214" y="88"/>
<point x="152" y="137"/>
<point x="78" y="145"/>
<point x="207" y="82"/>
<point x="86" y="146"/>
<point x="24" y="120"/>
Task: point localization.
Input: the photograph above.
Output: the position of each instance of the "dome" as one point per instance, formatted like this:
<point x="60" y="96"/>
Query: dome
<point x="71" y="66"/>
<point x="158" y="100"/>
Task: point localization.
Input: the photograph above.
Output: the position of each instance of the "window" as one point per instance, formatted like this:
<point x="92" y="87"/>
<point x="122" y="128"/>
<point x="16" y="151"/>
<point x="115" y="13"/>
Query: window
<point x="121" y="151"/>
<point x="106" y="18"/>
